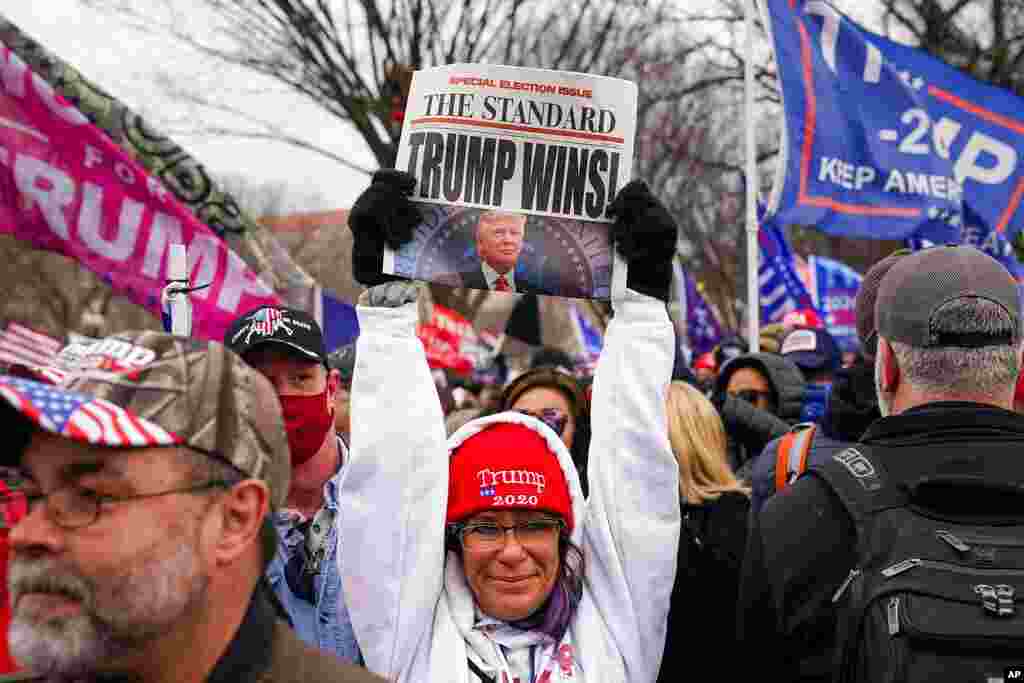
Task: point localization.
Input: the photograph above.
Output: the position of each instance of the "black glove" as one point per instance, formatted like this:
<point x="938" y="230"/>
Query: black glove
<point x="383" y="215"/>
<point x="645" y="235"/>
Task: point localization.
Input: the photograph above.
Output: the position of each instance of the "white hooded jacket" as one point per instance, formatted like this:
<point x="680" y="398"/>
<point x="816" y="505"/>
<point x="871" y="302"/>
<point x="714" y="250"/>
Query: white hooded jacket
<point x="411" y="607"/>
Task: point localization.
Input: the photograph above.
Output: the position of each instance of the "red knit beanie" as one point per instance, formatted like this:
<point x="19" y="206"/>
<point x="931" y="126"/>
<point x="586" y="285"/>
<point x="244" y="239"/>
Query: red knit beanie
<point x="506" y="466"/>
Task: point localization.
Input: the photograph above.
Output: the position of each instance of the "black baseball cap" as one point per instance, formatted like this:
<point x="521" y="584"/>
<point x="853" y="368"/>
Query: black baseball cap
<point x="290" y="328"/>
<point x="867" y="295"/>
<point x="917" y="285"/>
<point x="811" y="349"/>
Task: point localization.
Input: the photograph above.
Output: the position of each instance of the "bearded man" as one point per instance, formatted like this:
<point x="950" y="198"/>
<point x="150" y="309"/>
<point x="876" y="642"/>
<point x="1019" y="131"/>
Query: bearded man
<point x="141" y="531"/>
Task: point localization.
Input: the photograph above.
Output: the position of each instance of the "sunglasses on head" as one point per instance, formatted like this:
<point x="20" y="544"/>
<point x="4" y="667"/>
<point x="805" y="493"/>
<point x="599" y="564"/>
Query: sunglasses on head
<point x="552" y="417"/>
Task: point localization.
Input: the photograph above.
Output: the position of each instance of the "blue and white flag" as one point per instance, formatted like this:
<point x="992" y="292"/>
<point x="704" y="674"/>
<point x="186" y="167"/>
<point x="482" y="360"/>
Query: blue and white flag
<point x="782" y="290"/>
<point x="703" y="331"/>
<point x="884" y="141"/>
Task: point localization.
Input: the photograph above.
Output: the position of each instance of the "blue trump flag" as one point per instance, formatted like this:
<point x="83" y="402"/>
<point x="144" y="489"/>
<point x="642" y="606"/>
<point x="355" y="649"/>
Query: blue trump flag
<point x="883" y="141"/>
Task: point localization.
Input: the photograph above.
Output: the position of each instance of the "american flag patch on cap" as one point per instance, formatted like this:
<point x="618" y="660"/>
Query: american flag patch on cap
<point x="266" y="321"/>
<point x="82" y="417"/>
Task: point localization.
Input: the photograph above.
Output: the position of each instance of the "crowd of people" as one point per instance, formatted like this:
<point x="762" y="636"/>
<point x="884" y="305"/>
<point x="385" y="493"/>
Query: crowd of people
<point x="261" y="510"/>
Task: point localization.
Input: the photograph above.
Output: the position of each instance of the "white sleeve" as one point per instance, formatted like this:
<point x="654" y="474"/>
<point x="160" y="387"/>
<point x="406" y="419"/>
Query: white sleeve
<point x="633" y="518"/>
<point x="393" y="493"/>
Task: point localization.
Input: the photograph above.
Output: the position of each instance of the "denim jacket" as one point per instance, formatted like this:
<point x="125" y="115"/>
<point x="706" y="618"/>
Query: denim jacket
<point x="326" y="624"/>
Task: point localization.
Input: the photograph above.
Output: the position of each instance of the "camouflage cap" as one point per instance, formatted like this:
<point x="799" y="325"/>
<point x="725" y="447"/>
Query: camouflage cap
<point x="147" y="389"/>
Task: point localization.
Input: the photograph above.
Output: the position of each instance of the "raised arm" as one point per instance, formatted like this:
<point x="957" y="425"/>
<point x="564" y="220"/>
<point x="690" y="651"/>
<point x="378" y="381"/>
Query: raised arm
<point x="395" y="486"/>
<point x="632" y="527"/>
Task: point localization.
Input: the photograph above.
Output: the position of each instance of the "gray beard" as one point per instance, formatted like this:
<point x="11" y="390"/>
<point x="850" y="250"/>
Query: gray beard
<point x="133" y="609"/>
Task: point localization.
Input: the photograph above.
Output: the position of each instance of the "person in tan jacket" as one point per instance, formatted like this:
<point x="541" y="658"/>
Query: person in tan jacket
<point x="141" y="532"/>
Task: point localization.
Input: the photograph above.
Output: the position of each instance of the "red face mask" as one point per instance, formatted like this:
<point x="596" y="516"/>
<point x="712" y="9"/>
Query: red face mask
<point x="307" y="421"/>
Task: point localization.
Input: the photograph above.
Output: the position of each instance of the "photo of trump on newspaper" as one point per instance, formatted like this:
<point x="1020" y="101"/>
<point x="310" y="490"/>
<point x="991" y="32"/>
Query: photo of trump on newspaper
<point x="510" y="252"/>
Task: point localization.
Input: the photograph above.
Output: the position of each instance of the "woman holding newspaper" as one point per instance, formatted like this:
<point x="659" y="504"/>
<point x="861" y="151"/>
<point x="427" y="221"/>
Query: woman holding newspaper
<point x="477" y="559"/>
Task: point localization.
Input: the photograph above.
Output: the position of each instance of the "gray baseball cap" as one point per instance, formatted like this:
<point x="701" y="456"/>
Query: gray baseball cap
<point x="150" y="389"/>
<point x="917" y="285"/>
<point x="867" y="295"/>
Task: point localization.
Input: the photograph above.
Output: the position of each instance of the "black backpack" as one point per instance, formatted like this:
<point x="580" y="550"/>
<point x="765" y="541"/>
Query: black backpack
<point x="934" y="596"/>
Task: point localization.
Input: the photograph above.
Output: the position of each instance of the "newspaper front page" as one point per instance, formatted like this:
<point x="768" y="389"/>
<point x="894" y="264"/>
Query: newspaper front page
<point x="515" y="170"/>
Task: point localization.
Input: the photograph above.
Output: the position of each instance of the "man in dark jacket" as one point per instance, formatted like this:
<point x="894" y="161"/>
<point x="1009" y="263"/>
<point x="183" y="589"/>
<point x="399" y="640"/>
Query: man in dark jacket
<point x="948" y="356"/>
<point x="852" y="405"/>
<point x="758" y="396"/>
<point x="140" y="534"/>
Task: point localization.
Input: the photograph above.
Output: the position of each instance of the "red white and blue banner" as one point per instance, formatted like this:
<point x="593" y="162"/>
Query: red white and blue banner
<point x="821" y="285"/>
<point x="884" y="141"/>
<point x="782" y="289"/>
<point x="834" y="286"/>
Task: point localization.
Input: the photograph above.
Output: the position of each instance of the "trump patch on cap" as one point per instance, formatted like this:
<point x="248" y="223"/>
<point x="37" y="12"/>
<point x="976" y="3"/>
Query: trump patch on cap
<point x="799" y="340"/>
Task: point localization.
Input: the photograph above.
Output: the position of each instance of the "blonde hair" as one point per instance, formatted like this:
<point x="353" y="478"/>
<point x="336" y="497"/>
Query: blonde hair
<point x="698" y="441"/>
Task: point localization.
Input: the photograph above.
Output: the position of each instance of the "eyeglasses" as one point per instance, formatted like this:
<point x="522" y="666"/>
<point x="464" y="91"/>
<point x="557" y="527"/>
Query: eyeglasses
<point x="491" y="536"/>
<point x="552" y="417"/>
<point x="752" y="395"/>
<point x="72" y="507"/>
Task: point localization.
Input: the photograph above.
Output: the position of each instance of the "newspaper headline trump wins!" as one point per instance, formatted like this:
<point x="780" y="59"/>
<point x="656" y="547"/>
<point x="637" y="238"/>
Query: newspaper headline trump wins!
<point x="515" y="170"/>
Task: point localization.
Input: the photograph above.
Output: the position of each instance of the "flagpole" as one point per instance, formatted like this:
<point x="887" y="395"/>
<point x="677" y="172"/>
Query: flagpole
<point x="753" y="296"/>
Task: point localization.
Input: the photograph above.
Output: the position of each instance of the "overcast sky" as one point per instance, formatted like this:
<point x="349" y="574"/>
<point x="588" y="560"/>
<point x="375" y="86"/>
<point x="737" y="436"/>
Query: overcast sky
<point x="123" y="61"/>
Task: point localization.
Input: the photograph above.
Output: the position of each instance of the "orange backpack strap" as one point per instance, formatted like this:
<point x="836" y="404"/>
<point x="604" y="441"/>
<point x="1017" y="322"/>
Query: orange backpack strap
<point x="791" y="458"/>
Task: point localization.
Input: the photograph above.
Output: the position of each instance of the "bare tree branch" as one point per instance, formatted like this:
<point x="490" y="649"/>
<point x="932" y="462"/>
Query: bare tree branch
<point x="348" y="57"/>
<point x="983" y="39"/>
<point x="285" y="138"/>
